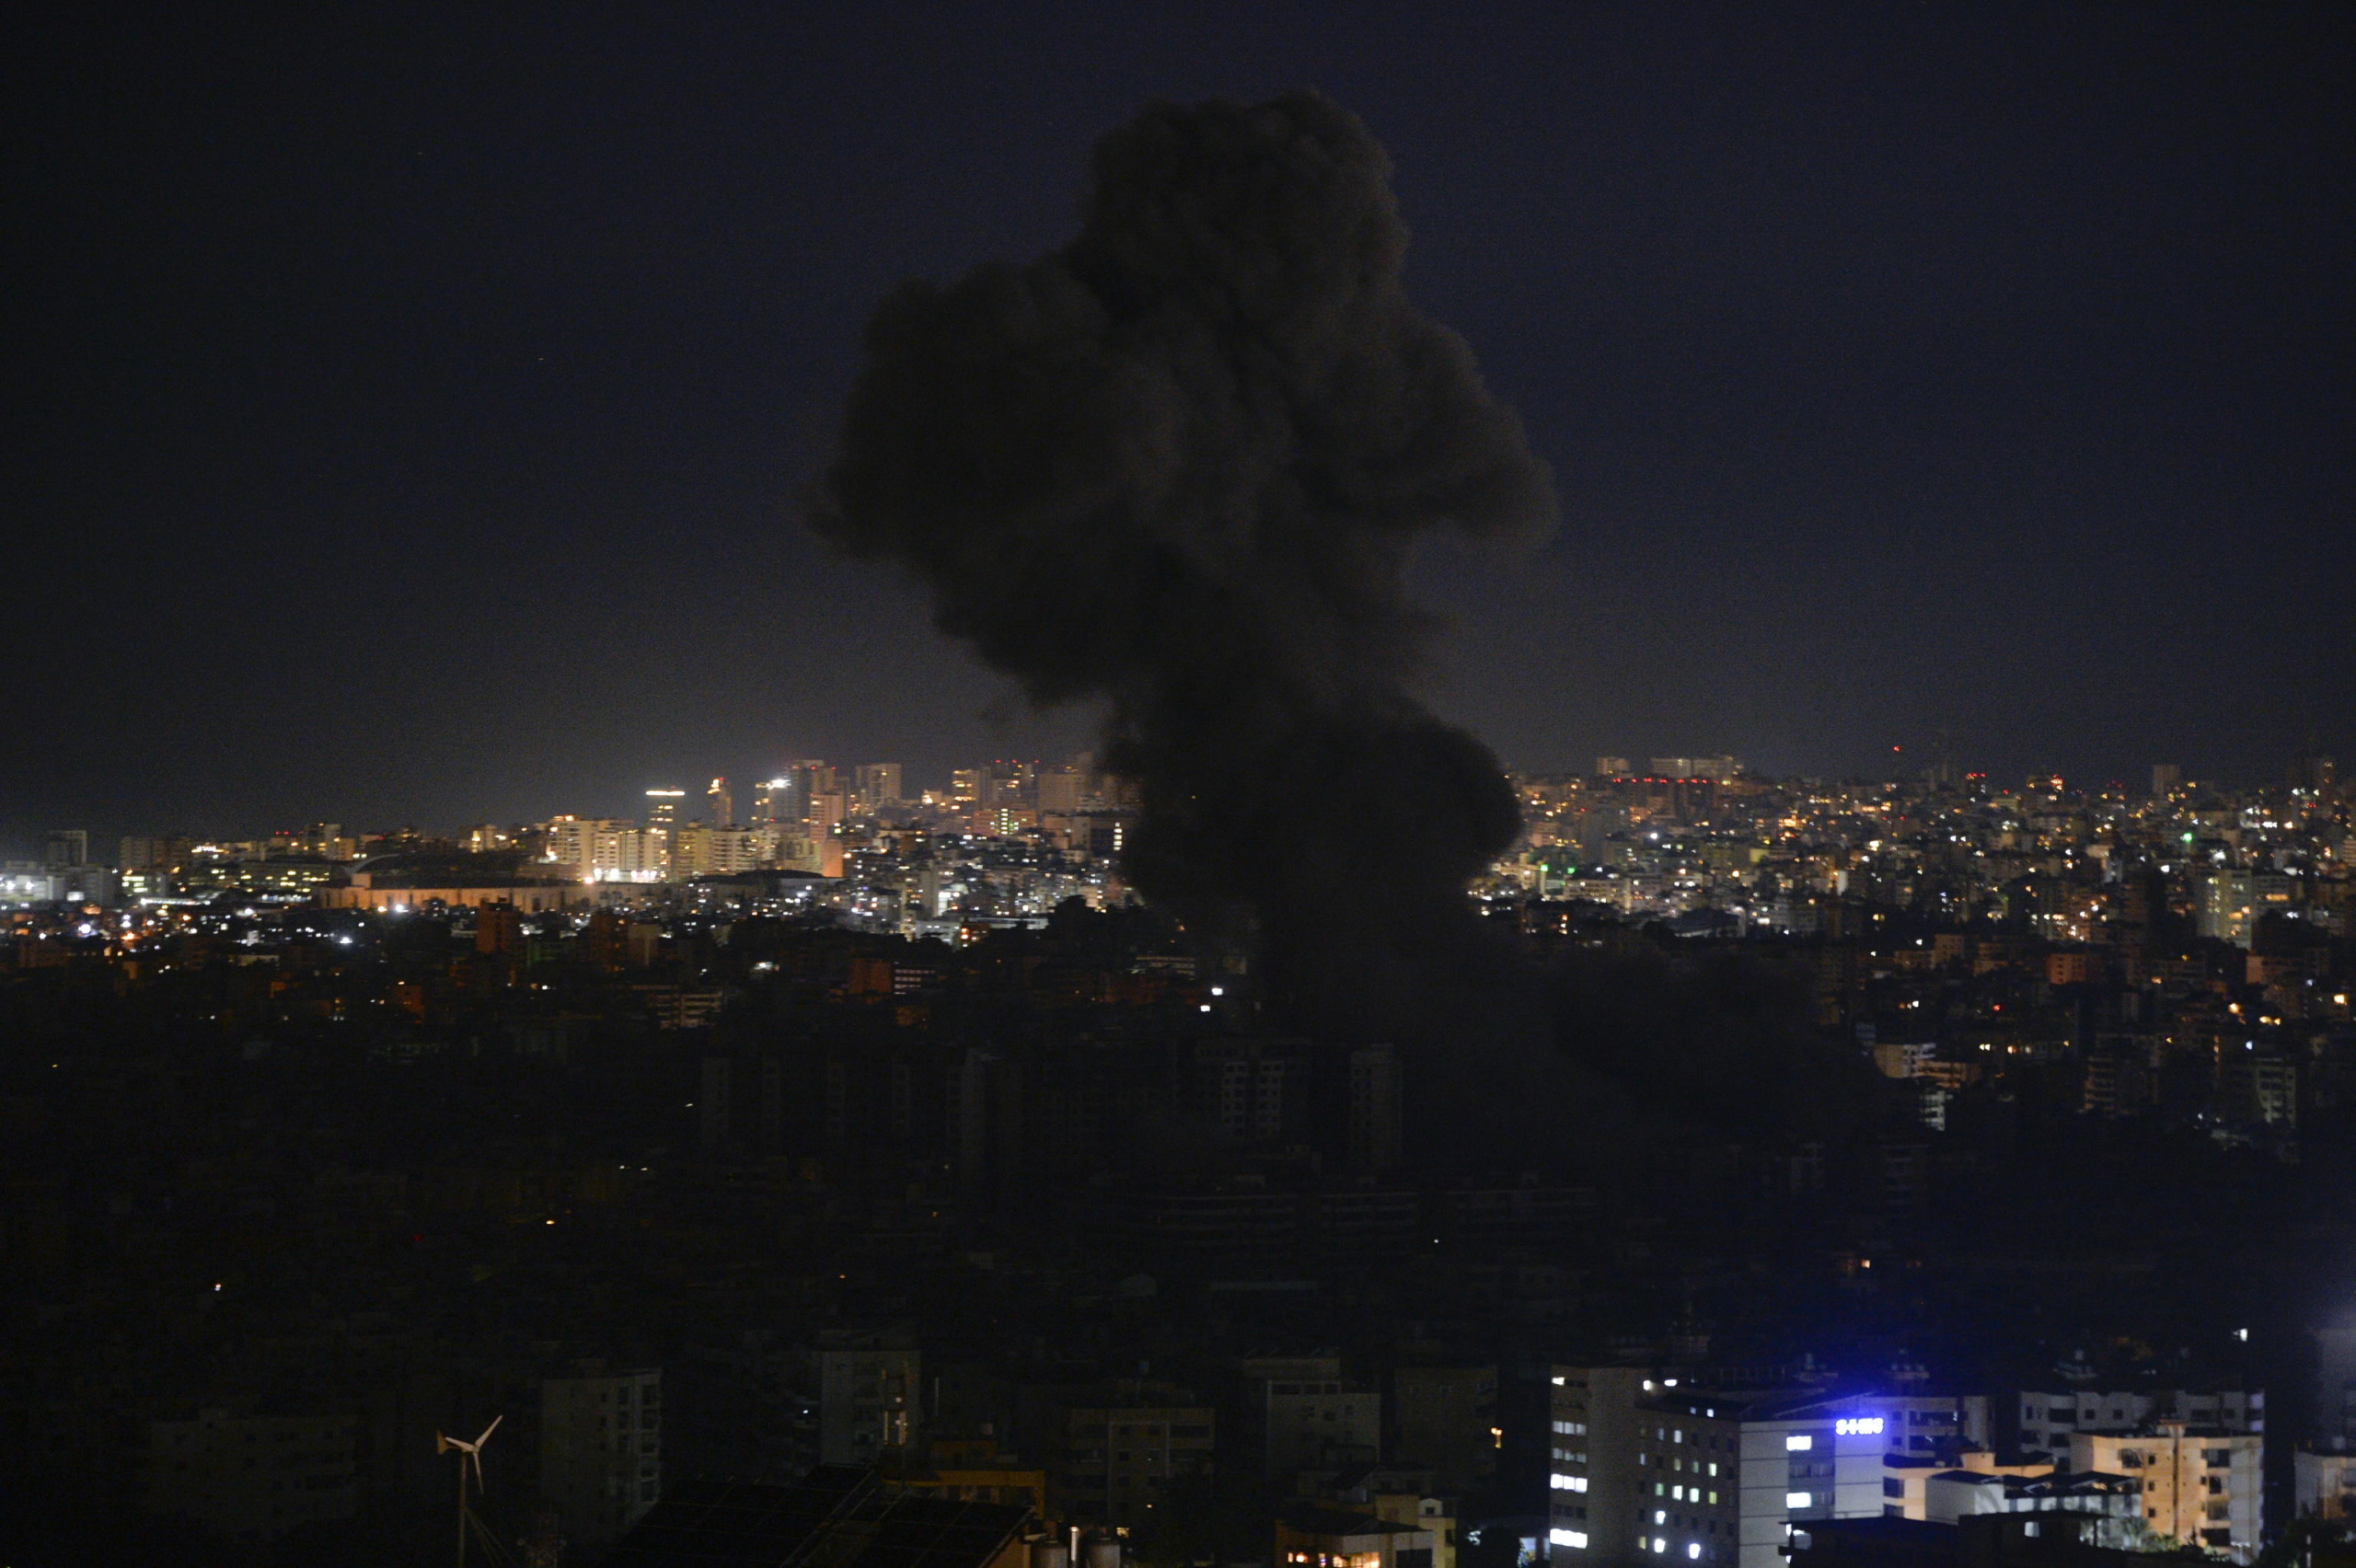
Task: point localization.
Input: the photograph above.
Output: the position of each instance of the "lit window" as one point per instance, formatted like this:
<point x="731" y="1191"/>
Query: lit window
<point x="1798" y="1499"/>
<point x="1576" y="1540"/>
<point x="1693" y="1548"/>
<point x="1798" y="1443"/>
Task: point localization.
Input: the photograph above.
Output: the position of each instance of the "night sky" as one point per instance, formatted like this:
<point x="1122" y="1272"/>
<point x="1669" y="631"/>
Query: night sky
<point x="410" y="413"/>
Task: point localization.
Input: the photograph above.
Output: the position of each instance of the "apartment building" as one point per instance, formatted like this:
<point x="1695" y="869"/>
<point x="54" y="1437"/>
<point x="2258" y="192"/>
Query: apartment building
<point x="2201" y="1485"/>
<point x="1647" y="1463"/>
<point x="2047" y="1421"/>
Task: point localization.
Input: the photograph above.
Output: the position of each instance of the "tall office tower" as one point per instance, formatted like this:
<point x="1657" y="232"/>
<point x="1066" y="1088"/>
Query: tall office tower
<point x="723" y="804"/>
<point x="1010" y="784"/>
<point x="2312" y="771"/>
<point x="1062" y="789"/>
<point x="662" y="827"/>
<point x="2228" y="906"/>
<point x="965" y="785"/>
<point x="691" y="852"/>
<point x="876" y="785"/>
<point x="786" y="798"/>
<point x="769" y="798"/>
<point x="2166" y="779"/>
<point x="66" y="846"/>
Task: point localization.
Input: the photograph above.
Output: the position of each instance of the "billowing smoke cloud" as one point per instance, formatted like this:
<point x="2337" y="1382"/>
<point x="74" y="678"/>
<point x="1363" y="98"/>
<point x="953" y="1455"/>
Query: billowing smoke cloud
<point x="1178" y="467"/>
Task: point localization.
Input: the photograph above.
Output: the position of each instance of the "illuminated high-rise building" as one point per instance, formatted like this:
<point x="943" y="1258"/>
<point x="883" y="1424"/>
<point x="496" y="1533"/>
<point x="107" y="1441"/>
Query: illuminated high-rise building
<point x="1645" y="1468"/>
<point x="786" y="798"/>
<point x="875" y="785"/>
<point x="723" y="803"/>
<point x="1009" y="784"/>
<point x="2226" y="911"/>
<point x="662" y="827"/>
<point x="606" y="848"/>
<point x="1721" y="769"/>
<point x="700" y="849"/>
<point x="771" y="798"/>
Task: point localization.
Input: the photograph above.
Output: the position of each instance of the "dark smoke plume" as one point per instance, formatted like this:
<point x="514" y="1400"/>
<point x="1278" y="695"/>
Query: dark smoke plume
<point x="1178" y="467"/>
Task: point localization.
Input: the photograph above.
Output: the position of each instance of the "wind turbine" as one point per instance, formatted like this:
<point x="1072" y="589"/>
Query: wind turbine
<point x="468" y="1454"/>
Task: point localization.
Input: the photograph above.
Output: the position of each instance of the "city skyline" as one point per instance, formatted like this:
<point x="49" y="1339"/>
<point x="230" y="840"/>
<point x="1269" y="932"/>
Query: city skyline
<point x="1899" y="372"/>
<point x="629" y="800"/>
<point x="1096" y="785"/>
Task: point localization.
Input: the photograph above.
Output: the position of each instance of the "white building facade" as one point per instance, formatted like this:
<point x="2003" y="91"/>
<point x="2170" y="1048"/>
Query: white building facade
<point x="1645" y="1467"/>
